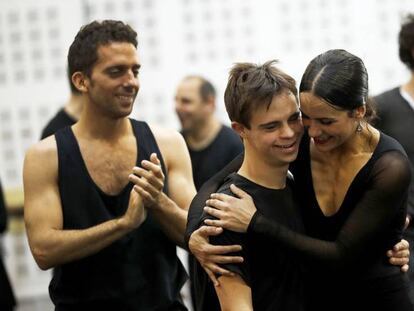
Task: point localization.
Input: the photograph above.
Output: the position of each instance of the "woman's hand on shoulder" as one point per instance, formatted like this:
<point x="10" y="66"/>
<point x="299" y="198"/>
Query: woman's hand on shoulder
<point x="232" y="213"/>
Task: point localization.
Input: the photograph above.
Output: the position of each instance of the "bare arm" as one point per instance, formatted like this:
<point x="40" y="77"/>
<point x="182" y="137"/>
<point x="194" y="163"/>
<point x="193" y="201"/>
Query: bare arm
<point x="234" y="294"/>
<point x="171" y="211"/>
<point x="50" y="244"/>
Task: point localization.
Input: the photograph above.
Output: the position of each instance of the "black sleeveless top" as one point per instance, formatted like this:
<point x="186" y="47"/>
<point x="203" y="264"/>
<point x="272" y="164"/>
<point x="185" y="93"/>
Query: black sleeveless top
<point x="140" y="271"/>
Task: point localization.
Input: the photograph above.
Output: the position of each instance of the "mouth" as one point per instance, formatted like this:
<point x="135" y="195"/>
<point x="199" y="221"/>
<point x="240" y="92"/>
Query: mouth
<point x="320" y="141"/>
<point x="127" y="99"/>
<point x="286" y="146"/>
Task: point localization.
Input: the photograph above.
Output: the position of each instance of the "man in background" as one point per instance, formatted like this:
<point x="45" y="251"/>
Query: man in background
<point x="396" y="118"/>
<point x="211" y="144"/>
<point x="67" y="115"/>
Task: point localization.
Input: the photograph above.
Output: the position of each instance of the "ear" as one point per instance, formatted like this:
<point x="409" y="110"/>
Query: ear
<point x="239" y="128"/>
<point x="80" y="81"/>
<point x="210" y="104"/>
<point x="359" y="112"/>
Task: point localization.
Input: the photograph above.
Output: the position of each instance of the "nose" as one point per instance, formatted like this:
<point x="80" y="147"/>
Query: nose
<point x="313" y="128"/>
<point x="287" y="131"/>
<point x="131" y="80"/>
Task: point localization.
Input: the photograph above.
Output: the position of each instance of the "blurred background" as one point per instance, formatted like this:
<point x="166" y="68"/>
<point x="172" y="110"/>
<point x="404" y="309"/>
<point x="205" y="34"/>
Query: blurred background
<point x="176" y="38"/>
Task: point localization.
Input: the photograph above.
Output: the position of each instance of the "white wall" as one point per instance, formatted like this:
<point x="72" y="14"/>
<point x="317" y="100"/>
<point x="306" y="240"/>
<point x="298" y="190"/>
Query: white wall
<point x="178" y="37"/>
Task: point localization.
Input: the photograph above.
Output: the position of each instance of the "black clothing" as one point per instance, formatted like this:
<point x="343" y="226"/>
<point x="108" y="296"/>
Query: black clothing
<point x="205" y="163"/>
<point x="208" y="161"/>
<point x="7" y="299"/>
<point x="272" y="273"/>
<point x="60" y="120"/>
<point x="141" y="270"/>
<point x="396" y="118"/>
<point x="345" y="252"/>
<point x="349" y="270"/>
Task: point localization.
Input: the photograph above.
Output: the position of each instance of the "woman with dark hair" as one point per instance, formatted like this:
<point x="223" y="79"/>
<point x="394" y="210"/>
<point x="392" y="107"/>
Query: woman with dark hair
<point x="353" y="182"/>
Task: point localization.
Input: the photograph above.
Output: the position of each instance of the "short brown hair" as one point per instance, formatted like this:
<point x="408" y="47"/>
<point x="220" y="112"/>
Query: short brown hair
<point x="251" y="86"/>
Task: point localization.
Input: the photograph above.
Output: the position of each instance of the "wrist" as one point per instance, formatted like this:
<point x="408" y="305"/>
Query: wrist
<point x="123" y="224"/>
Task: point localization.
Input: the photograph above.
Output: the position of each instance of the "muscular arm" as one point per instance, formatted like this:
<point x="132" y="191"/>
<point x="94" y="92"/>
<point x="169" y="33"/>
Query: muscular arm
<point x="50" y="244"/>
<point x="171" y="212"/>
<point x="234" y="294"/>
<point x="371" y="216"/>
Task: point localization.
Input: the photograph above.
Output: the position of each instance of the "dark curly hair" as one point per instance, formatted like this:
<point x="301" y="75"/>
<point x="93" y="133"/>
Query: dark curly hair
<point x="83" y="53"/>
<point x="406" y="41"/>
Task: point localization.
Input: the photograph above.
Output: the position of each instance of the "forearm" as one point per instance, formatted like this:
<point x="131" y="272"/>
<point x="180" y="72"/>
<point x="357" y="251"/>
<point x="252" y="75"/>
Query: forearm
<point x="56" y="246"/>
<point x="234" y="294"/>
<point x="171" y="218"/>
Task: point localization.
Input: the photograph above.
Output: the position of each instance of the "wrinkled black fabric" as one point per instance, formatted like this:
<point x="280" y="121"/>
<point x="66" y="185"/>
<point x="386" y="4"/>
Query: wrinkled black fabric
<point x="346" y="253"/>
<point x="274" y="275"/>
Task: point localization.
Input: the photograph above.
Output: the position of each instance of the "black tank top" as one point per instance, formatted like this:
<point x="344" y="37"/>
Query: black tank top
<point x="140" y="271"/>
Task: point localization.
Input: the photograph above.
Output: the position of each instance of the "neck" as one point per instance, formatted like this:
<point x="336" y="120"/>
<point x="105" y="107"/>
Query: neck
<point x="74" y="107"/>
<point x="409" y="86"/>
<point x="94" y="125"/>
<point x="203" y="135"/>
<point x="263" y="173"/>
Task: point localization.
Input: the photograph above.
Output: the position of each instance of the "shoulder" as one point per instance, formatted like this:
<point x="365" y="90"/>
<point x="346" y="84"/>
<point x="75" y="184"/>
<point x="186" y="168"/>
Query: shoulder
<point x="167" y="137"/>
<point x="45" y="147"/>
<point x="386" y="98"/>
<point x="230" y="134"/>
<point x="388" y="143"/>
<point x="391" y="164"/>
<point x="228" y="141"/>
<point x="42" y="156"/>
<point x="172" y="146"/>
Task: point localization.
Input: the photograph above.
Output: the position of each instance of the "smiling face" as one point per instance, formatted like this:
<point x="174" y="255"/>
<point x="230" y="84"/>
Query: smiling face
<point x="329" y="127"/>
<point x="275" y="131"/>
<point x="113" y="84"/>
<point x="191" y="110"/>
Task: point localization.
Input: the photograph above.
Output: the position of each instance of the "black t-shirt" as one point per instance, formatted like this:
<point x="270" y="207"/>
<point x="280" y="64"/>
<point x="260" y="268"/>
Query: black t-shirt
<point x="273" y="273"/>
<point x="208" y="161"/>
<point x="60" y="120"/>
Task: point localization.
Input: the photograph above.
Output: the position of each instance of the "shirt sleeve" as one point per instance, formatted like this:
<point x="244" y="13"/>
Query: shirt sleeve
<point x="383" y="199"/>
<point x="212" y="185"/>
<point x="228" y="237"/>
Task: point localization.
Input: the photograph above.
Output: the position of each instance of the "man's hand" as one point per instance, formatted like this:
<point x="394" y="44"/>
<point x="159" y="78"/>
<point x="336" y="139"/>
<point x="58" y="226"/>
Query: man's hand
<point x="136" y="213"/>
<point x="149" y="181"/>
<point x="209" y="256"/>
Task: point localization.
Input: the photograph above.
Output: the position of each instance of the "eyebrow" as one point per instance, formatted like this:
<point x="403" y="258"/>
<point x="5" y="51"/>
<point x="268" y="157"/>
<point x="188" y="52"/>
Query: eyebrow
<point x="136" y="66"/>
<point x="292" y="116"/>
<point x="304" y="115"/>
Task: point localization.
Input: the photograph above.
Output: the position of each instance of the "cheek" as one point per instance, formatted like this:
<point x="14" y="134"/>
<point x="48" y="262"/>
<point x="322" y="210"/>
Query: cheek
<point x="297" y="127"/>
